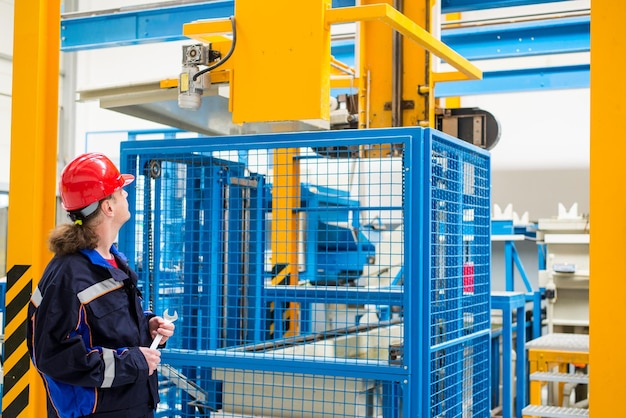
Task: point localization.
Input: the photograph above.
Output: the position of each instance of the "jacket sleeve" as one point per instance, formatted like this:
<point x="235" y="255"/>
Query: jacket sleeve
<point x="60" y="341"/>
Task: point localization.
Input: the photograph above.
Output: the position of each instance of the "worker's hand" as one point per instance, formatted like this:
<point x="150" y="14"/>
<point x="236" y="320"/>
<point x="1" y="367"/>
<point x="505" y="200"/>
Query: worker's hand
<point x="153" y="358"/>
<point x="159" y="325"/>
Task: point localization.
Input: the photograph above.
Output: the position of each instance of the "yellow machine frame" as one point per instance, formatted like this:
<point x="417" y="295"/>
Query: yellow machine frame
<point x="268" y="65"/>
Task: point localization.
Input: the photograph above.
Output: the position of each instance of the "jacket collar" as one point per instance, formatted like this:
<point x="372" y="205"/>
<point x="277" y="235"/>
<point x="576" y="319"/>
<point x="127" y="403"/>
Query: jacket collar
<point x="95" y="258"/>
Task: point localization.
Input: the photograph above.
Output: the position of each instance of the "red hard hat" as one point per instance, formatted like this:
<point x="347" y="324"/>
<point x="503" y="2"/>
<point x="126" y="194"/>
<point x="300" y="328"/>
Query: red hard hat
<point x="90" y="178"/>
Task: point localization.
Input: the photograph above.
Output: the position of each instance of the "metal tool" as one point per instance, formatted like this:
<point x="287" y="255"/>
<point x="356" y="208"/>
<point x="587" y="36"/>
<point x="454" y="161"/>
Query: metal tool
<point x="168" y="319"/>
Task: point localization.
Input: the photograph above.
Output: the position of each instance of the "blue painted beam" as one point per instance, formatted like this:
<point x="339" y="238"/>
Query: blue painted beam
<point x="166" y="24"/>
<point x="552" y="36"/>
<point x="343" y="51"/>
<point x="511" y="81"/>
<point x="453" y="6"/>
<point x="495" y="41"/>
<point x="137" y="26"/>
<point x="531" y="79"/>
<point x="555" y="36"/>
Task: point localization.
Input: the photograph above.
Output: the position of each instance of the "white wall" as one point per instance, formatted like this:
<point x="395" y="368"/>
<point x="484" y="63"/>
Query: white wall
<point x="115" y="67"/>
<point x="542" y="158"/>
<point x="6" y="51"/>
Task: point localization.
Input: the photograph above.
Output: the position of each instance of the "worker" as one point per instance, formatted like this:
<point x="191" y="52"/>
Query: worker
<point x="88" y="335"/>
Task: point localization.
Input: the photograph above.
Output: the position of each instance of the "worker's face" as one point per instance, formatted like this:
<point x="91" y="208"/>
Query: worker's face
<point x="120" y="204"/>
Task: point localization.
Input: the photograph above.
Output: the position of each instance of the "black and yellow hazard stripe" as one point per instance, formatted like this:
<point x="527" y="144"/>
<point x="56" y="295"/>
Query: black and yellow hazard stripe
<point x="16" y="358"/>
<point x="280" y="276"/>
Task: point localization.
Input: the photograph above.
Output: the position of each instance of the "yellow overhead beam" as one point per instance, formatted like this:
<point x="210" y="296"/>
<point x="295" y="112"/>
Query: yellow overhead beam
<point x="338" y="79"/>
<point x="342" y="75"/>
<point x="209" y="31"/>
<point x="408" y="28"/>
<point x="338" y="67"/>
<point x="449" y="76"/>
<point x="217" y="76"/>
<point x="343" y="82"/>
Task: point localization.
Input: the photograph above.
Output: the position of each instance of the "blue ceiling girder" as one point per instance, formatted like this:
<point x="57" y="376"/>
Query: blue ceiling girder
<point x="137" y="26"/>
<point x="455" y="6"/>
<point x="551" y="36"/>
<point x="166" y="24"/>
<point x="511" y="40"/>
<point x="343" y="51"/>
<point x="513" y="81"/>
<point x="559" y="35"/>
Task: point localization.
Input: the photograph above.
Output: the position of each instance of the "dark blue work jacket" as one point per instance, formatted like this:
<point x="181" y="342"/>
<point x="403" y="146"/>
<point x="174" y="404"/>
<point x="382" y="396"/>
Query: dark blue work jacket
<point x="86" y="323"/>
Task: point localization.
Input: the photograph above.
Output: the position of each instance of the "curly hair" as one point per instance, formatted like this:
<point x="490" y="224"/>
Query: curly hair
<point x="79" y="235"/>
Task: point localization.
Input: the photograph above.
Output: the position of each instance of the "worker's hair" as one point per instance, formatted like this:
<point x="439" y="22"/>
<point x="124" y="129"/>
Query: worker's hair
<point x="79" y="235"/>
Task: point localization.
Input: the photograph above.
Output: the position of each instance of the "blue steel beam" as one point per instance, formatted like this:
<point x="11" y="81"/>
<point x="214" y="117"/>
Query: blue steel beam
<point x="551" y="36"/>
<point x="166" y="24"/>
<point x="555" y="36"/>
<point x="137" y="26"/>
<point x="495" y="41"/>
<point x="509" y="81"/>
<point x="454" y="6"/>
<point x="512" y="81"/>
<point x="343" y="51"/>
<point x="504" y="81"/>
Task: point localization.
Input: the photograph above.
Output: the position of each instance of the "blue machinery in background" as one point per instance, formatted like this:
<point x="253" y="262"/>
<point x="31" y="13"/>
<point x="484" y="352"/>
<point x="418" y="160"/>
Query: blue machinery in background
<point x="410" y="343"/>
<point x="335" y="252"/>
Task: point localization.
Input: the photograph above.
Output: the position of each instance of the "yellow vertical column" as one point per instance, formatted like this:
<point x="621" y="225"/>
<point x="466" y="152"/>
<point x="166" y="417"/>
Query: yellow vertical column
<point x="417" y="81"/>
<point x="376" y="62"/>
<point x="377" y="73"/>
<point x="34" y="127"/>
<point x="608" y="210"/>
<point x="285" y="201"/>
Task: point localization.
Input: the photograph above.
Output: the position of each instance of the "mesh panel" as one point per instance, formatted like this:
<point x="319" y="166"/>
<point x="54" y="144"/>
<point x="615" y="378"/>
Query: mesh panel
<point x="460" y="281"/>
<point x="284" y="256"/>
<point x="243" y="393"/>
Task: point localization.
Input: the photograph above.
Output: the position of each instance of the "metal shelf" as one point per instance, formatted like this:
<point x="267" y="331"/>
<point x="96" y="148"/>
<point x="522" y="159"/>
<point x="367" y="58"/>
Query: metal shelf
<point x="560" y="377"/>
<point x="554" y="412"/>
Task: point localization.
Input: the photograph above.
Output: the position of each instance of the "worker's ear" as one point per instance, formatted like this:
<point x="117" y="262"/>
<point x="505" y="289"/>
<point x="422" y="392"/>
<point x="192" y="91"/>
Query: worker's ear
<point x="106" y="207"/>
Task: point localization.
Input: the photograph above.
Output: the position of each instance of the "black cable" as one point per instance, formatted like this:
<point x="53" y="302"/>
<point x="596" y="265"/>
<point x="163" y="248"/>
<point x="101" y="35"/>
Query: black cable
<point x="223" y="60"/>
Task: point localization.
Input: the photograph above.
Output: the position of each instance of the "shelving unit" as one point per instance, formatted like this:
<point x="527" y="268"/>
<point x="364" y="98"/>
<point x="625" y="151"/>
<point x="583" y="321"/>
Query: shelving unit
<point x="550" y="358"/>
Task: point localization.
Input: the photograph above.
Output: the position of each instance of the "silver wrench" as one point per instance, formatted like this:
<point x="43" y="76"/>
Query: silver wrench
<point x="168" y="319"/>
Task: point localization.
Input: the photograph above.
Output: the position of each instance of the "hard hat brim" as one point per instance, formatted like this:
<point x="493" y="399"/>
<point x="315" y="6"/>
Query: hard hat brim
<point x="128" y="178"/>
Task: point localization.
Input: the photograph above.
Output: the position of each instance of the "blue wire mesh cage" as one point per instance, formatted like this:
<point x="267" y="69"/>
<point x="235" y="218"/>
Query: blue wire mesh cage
<point x="316" y="274"/>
